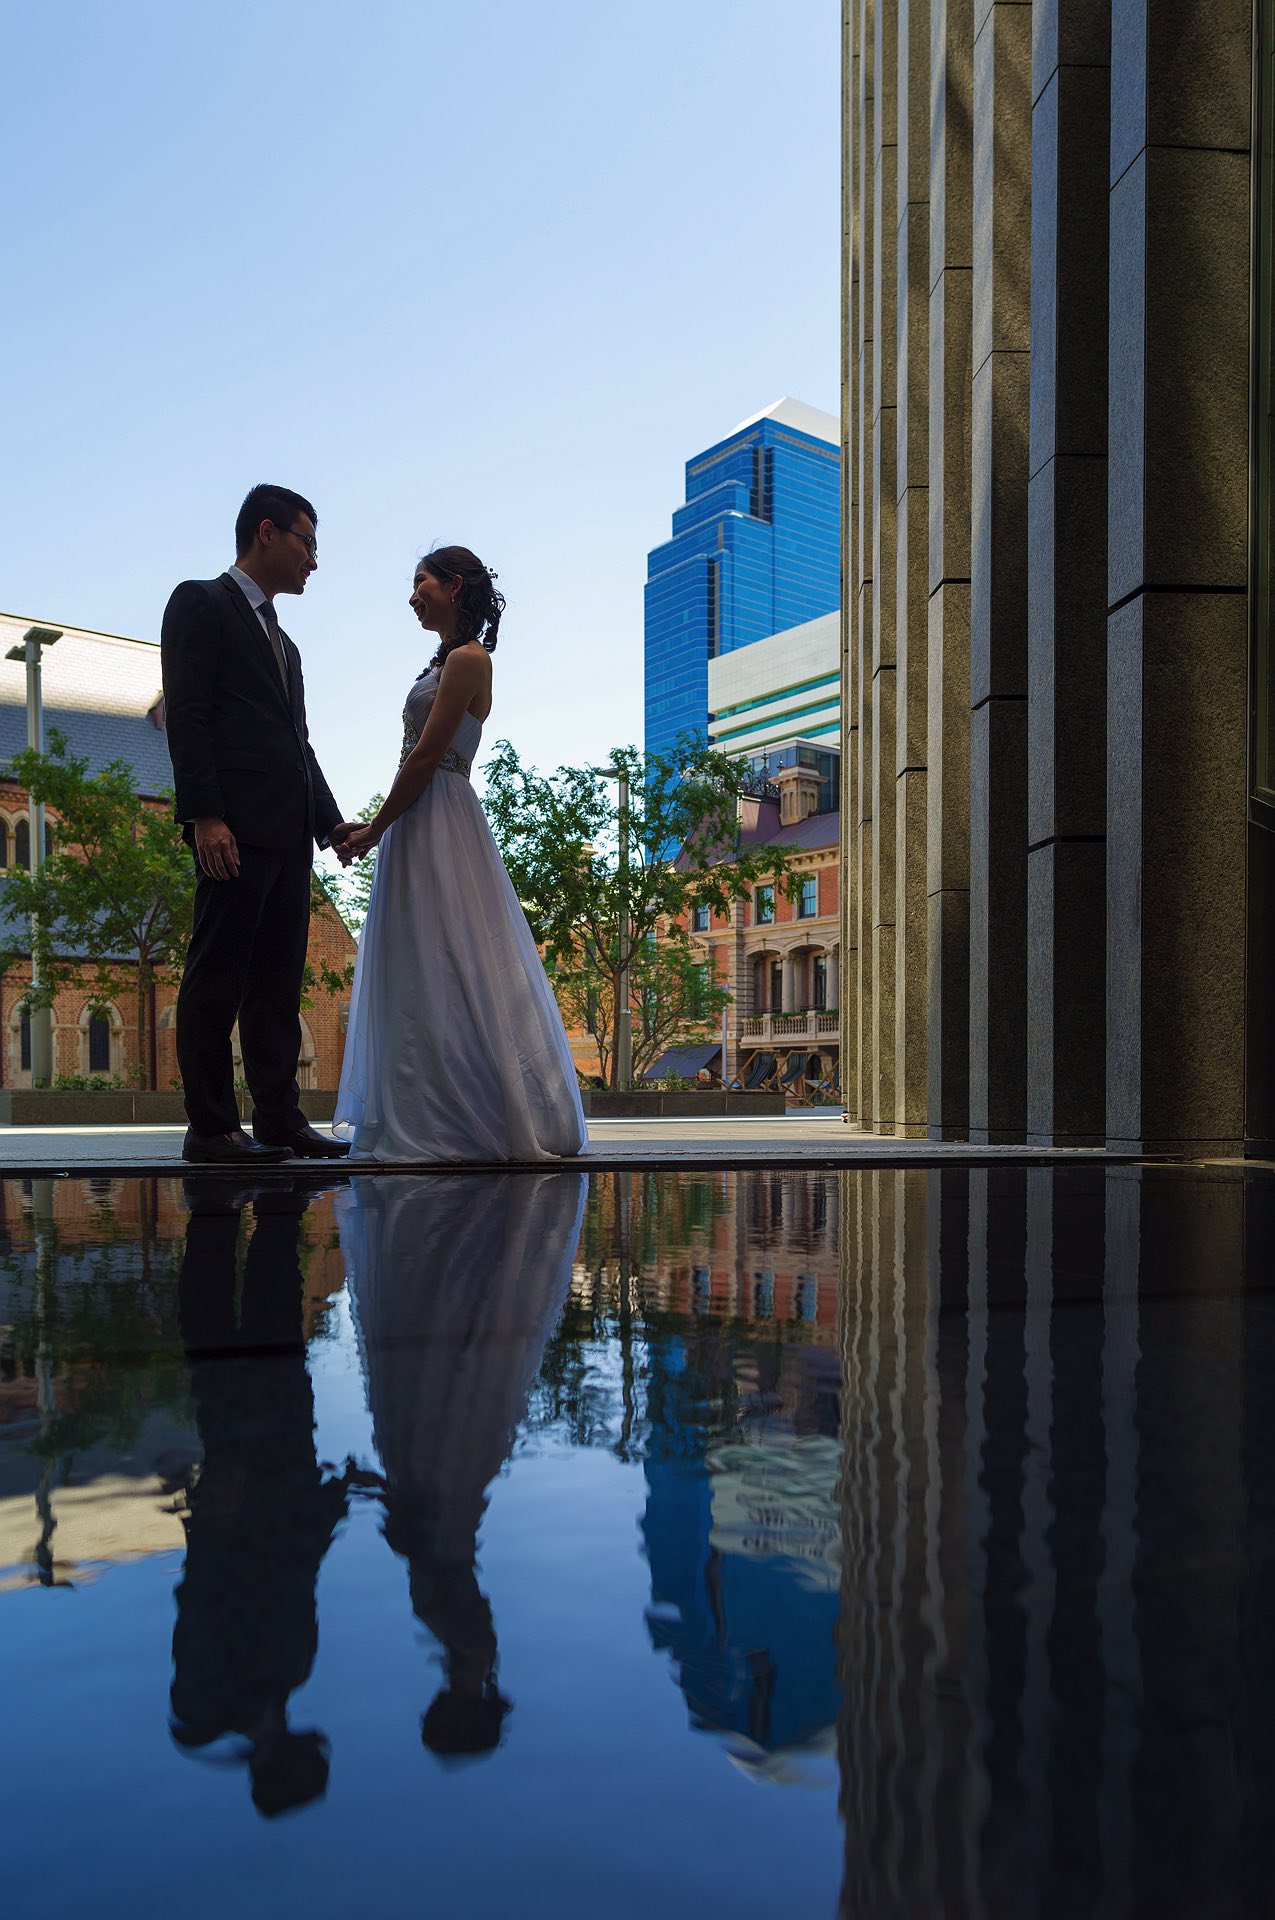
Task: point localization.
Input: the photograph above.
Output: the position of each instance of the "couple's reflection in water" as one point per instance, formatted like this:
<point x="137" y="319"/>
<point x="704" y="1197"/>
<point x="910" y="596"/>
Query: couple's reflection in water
<point x="456" y="1282"/>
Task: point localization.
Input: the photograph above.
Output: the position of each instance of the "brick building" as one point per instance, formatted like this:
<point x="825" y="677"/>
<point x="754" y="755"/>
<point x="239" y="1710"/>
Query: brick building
<point x="103" y="691"/>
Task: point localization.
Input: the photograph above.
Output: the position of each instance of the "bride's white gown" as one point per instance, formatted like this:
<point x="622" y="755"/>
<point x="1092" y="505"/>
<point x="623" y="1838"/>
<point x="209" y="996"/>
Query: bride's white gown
<point x="455" y="1048"/>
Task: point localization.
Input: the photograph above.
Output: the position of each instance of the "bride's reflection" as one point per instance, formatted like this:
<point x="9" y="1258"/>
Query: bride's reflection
<point x="262" y="1512"/>
<point x="457" y="1283"/>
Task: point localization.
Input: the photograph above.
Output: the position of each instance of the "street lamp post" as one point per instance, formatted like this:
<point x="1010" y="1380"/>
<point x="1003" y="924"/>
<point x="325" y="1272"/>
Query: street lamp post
<point x="624" y="1011"/>
<point x="41" y="1017"/>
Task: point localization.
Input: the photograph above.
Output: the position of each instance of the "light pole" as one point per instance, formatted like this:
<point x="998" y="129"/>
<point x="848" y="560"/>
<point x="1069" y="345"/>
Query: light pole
<point x="624" y="1011"/>
<point x="41" y="1017"/>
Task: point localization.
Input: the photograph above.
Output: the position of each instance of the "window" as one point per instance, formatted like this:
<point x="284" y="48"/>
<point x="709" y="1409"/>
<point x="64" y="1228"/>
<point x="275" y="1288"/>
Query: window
<point x="25" y="1044"/>
<point x="99" y="1044"/>
<point x="699" y="919"/>
<point x="819" y="980"/>
<point x="776" y="986"/>
<point x="22" y="844"/>
<point x="808" y="905"/>
<point x="4" y="843"/>
<point x="764" y="905"/>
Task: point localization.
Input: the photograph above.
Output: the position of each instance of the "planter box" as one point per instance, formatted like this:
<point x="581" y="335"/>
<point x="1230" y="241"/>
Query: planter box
<point x="52" y="1107"/>
<point x="694" y="1103"/>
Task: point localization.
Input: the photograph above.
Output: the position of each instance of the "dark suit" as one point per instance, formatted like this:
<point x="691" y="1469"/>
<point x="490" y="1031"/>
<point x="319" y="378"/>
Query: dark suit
<point x="241" y="753"/>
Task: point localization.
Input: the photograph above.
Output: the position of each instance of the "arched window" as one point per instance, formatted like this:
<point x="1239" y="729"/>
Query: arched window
<point x="22" y="844"/>
<point x="24" y="1054"/>
<point x="99" y="1044"/>
<point x="4" y="843"/>
<point x="48" y="839"/>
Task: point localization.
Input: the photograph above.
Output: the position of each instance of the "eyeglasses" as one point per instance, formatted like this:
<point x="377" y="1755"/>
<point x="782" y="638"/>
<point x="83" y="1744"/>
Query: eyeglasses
<point x="307" y="540"/>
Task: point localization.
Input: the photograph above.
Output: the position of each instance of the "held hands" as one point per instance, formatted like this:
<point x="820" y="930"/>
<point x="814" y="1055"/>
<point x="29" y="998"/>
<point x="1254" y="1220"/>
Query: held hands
<point x="216" y="849"/>
<point x="351" y="839"/>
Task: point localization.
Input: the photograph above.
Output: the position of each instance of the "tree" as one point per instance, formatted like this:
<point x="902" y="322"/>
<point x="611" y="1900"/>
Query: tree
<point x="672" y="993"/>
<point x="117" y="890"/>
<point x="355" y="887"/>
<point x="597" y="897"/>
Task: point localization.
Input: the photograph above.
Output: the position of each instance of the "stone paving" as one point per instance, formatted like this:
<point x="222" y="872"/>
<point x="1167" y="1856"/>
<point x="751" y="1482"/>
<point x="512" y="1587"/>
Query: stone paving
<point x="798" y="1139"/>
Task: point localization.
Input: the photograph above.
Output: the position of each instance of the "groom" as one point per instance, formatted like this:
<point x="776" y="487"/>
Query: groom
<point x="251" y="801"/>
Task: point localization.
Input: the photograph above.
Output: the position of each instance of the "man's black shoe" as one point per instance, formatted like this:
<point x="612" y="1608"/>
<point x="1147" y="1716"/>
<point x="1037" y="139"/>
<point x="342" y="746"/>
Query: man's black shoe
<point x="233" y="1149"/>
<point x="306" y="1144"/>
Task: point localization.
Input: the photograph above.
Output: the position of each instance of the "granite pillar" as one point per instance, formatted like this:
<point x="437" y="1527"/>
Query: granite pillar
<point x="912" y="482"/>
<point x="1066" y="596"/>
<point x="1177" y="676"/>
<point x="848" y="885"/>
<point x="865" y="378"/>
<point x="948" y="610"/>
<point x="998" y="590"/>
<point x="885" y="225"/>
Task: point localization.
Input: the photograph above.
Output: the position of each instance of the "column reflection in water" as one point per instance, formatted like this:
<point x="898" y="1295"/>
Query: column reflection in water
<point x="1057" y="1542"/>
<point x="262" y="1511"/>
<point x="457" y="1283"/>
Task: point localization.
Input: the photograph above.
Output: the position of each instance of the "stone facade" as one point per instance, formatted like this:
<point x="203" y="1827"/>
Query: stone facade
<point x="1058" y="886"/>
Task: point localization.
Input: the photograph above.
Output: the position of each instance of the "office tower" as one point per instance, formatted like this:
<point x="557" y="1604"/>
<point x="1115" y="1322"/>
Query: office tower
<point x="754" y="549"/>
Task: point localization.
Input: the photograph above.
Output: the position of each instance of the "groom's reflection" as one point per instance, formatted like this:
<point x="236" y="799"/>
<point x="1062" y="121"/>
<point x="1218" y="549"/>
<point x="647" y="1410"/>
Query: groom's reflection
<point x="261" y="1513"/>
<point x="457" y="1284"/>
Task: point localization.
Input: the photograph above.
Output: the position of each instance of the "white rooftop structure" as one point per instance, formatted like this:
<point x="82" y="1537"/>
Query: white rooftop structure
<point x="795" y="413"/>
<point x="786" y="687"/>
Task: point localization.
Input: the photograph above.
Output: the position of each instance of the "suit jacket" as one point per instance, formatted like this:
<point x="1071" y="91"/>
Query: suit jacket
<point x="239" y="744"/>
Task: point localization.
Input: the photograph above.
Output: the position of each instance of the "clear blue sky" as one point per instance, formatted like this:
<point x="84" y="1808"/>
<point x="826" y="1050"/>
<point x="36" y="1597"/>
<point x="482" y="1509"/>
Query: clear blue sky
<point x="488" y="272"/>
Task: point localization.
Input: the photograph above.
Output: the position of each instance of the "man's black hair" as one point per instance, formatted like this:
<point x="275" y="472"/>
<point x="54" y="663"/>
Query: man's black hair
<point x="265" y="502"/>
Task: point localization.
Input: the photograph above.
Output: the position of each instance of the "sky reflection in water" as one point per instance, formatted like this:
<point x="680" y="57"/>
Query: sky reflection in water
<point x="874" y="1542"/>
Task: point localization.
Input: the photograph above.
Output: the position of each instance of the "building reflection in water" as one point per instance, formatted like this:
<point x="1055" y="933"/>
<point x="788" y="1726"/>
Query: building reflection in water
<point x="456" y="1283"/>
<point x="722" y="1294"/>
<point x="1058" y="1542"/>
<point x="261" y="1512"/>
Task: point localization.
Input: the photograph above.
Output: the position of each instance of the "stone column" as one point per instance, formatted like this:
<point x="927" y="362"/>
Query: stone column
<point x="1066" y="593"/>
<point x="866" y="756"/>
<point x="834" y="969"/>
<point x="848" y="879"/>
<point x="791" y="965"/>
<point x="1177" y="685"/>
<point x="884" y="562"/>
<point x="912" y="482"/>
<point x="948" y="677"/>
<point x="998" y="592"/>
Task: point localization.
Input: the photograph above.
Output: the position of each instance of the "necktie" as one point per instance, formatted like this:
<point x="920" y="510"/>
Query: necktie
<point x="276" y="640"/>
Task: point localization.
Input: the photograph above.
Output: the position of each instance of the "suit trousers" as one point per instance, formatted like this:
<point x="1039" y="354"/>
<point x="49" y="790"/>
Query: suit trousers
<point x="245" y="962"/>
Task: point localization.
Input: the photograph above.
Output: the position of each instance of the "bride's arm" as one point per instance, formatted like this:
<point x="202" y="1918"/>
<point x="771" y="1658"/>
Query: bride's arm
<point x="464" y="675"/>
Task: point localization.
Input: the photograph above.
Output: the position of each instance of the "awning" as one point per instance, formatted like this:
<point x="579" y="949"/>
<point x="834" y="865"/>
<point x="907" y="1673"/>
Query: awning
<point x="684" y="1061"/>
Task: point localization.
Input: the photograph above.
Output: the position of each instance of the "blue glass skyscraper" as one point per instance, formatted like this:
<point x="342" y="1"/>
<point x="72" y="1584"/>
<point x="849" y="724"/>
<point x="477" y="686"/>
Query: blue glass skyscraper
<point x="755" y="549"/>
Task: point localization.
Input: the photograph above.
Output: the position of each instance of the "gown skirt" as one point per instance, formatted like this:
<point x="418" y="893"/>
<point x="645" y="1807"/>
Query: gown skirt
<point x="455" y="1049"/>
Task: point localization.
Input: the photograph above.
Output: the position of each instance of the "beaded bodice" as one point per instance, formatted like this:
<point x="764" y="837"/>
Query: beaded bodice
<point x="460" y="755"/>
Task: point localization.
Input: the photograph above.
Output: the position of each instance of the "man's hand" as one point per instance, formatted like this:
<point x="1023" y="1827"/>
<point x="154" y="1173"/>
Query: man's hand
<point x="216" y="850"/>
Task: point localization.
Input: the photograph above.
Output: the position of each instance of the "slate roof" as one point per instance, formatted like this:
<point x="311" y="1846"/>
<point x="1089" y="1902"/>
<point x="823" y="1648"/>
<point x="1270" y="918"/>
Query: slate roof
<point x="99" y="690"/>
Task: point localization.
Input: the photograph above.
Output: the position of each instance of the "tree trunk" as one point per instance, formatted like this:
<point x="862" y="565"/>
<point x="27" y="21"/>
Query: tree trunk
<point x="152" y="1035"/>
<point x="141" y="1027"/>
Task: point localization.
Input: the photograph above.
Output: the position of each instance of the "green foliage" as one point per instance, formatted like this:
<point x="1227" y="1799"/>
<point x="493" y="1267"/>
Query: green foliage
<point x="354" y="887"/>
<point x="602" y="894"/>
<point x="118" y="887"/>
<point x="672" y="995"/>
<point x="88" y="1083"/>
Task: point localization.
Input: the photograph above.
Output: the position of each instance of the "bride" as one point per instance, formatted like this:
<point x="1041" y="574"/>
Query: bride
<point x="455" y="1048"/>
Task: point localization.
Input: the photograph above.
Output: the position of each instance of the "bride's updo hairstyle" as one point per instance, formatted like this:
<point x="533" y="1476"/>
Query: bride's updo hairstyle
<point x="478" y="603"/>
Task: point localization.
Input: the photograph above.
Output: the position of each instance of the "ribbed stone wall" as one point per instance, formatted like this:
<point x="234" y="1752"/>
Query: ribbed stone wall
<point x="1050" y="865"/>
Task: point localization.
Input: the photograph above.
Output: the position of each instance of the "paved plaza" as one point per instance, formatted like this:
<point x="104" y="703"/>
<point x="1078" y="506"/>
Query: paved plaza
<point x="797" y="1139"/>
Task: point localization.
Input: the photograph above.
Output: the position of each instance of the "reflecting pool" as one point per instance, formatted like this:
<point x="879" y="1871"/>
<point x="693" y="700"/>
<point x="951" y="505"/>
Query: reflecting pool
<point x="865" y="1543"/>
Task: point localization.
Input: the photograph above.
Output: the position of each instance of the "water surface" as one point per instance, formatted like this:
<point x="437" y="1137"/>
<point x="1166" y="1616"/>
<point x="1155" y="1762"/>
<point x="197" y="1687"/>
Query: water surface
<point x="857" y="1543"/>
